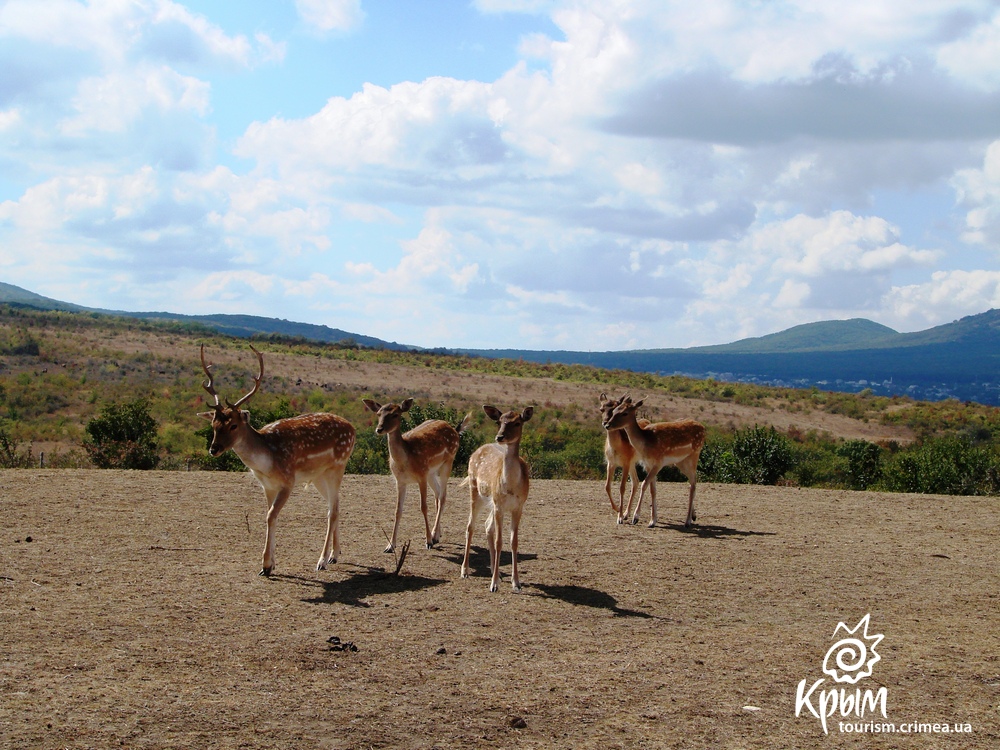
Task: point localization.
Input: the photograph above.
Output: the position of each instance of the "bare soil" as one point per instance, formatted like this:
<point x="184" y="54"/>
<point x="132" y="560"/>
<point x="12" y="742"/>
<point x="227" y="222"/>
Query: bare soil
<point x="132" y="616"/>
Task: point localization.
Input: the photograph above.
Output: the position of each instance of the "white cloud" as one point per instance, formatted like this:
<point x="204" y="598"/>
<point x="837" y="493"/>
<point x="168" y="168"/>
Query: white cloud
<point x="946" y="296"/>
<point x="975" y="58"/>
<point x="330" y="15"/>
<point x="979" y="192"/>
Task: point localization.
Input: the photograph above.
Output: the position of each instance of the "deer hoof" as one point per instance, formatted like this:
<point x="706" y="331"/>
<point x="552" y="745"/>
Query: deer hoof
<point x="266" y="572"/>
<point x="388" y="550"/>
<point x="517" y="588"/>
<point x="651" y="525"/>
<point x="430" y="545"/>
<point x="494" y="587"/>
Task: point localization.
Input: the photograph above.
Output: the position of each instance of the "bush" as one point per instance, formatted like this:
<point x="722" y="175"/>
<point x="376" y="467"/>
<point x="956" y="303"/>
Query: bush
<point x="757" y="455"/>
<point x="864" y="463"/>
<point x="11" y="454"/>
<point x="123" y="437"/>
<point x="944" y="466"/>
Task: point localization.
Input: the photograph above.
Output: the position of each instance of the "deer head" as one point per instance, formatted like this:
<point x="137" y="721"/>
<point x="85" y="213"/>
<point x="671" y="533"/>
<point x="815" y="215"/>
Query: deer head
<point x="390" y="416"/>
<point x="228" y="421"/>
<point x="620" y="414"/>
<point x="510" y="423"/>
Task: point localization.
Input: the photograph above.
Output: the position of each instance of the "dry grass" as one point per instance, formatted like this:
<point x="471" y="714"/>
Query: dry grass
<point x="134" y="618"/>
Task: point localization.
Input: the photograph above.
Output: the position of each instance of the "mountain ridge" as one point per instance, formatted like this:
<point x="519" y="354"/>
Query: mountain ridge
<point x="960" y="359"/>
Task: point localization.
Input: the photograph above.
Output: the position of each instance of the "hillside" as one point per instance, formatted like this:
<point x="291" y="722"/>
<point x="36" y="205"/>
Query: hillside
<point x="956" y="360"/>
<point x="244" y="326"/>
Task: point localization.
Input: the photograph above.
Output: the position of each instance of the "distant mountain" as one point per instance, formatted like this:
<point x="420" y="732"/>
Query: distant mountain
<point x="959" y="359"/>
<point x="827" y="335"/>
<point x="243" y="326"/>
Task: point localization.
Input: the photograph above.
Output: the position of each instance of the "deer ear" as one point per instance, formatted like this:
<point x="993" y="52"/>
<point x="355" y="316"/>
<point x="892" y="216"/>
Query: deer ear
<point x="638" y="403"/>
<point x="405" y="406"/>
<point x="371" y="405"/>
<point x="492" y="412"/>
<point x="526" y="414"/>
<point x="245" y="415"/>
<point x="209" y="415"/>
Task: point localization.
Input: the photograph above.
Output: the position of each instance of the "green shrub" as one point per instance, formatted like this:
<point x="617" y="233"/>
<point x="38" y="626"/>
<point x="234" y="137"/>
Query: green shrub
<point x="864" y="463"/>
<point x="950" y="465"/>
<point x="12" y="456"/>
<point x="756" y="455"/>
<point x="122" y="437"/>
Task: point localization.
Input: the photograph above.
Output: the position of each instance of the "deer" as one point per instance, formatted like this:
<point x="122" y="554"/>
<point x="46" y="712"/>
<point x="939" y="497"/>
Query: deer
<point x="657" y="445"/>
<point x="618" y="453"/>
<point x="498" y="483"/>
<point x="307" y="449"/>
<point x="423" y="455"/>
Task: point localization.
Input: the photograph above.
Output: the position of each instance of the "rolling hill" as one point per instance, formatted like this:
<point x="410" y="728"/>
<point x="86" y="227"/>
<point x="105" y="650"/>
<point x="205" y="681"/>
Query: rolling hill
<point x="956" y="360"/>
<point x="243" y="326"/>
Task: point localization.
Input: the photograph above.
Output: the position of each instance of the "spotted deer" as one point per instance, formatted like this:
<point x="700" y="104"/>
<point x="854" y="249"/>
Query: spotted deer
<point x="423" y="455"/>
<point x="498" y="484"/>
<point x="657" y="445"/>
<point x="618" y="453"/>
<point x="311" y="448"/>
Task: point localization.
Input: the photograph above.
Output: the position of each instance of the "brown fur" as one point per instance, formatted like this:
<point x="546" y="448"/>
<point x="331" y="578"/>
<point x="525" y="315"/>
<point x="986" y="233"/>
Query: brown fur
<point x="422" y="455"/>
<point x="657" y="445"/>
<point x="311" y="448"/>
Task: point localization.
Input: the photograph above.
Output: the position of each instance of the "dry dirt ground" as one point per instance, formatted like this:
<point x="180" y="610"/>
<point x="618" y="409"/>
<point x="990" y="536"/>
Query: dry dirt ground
<point x="134" y="617"/>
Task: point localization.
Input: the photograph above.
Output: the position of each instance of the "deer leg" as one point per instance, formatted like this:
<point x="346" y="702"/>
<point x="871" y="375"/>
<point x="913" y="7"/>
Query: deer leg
<point x="276" y="501"/>
<point x="621" y="491"/>
<point x="473" y="512"/>
<point x="400" y="496"/>
<point x="515" y="522"/>
<point x="642" y="493"/>
<point x="422" y="484"/>
<point x="329" y="487"/>
<point x="690" y="469"/>
<point x="634" y="479"/>
<point x="496" y="534"/>
<point x="440" y="484"/>
<point x="607" y="487"/>
<point x="652" y="500"/>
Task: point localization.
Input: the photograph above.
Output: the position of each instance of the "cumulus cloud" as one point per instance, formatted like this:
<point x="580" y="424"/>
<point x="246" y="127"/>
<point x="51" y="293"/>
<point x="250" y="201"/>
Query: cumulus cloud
<point x="979" y="193"/>
<point x="664" y="173"/>
<point x="330" y="15"/>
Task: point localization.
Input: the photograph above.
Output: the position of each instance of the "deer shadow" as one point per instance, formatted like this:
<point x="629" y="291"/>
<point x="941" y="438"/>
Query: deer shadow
<point x="361" y="584"/>
<point x="583" y="596"/>
<point x="479" y="559"/>
<point x="709" y="531"/>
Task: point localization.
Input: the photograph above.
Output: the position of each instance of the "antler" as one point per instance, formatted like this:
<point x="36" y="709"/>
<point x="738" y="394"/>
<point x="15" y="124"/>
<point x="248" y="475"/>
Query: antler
<point x="209" y="386"/>
<point x="256" y="380"/>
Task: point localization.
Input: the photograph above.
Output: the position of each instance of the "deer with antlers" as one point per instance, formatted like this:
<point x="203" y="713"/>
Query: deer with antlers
<point x="498" y="482"/>
<point x="657" y="445"/>
<point x="618" y="454"/>
<point x="311" y="448"/>
<point x="423" y="455"/>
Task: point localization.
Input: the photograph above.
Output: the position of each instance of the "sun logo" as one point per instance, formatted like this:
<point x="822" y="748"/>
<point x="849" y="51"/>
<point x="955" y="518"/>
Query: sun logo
<point x="851" y="659"/>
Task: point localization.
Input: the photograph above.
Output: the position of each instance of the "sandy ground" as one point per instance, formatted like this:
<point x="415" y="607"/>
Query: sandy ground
<point x="132" y="616"/>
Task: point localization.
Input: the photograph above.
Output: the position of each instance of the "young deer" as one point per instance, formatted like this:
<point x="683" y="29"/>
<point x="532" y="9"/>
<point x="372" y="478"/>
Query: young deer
<point x="657" y="445"/>
<point x="618" y="453"/>
<point x="309" y="448"/>
<point x="422" y="455"/>
<point x="498" y="482"/>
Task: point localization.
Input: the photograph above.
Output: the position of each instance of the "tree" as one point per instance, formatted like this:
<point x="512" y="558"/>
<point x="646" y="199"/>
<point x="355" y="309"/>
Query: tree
<point x="123" y="437"/>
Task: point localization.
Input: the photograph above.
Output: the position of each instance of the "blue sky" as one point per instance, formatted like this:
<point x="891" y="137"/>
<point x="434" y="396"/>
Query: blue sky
<point x="506" y="173"/>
